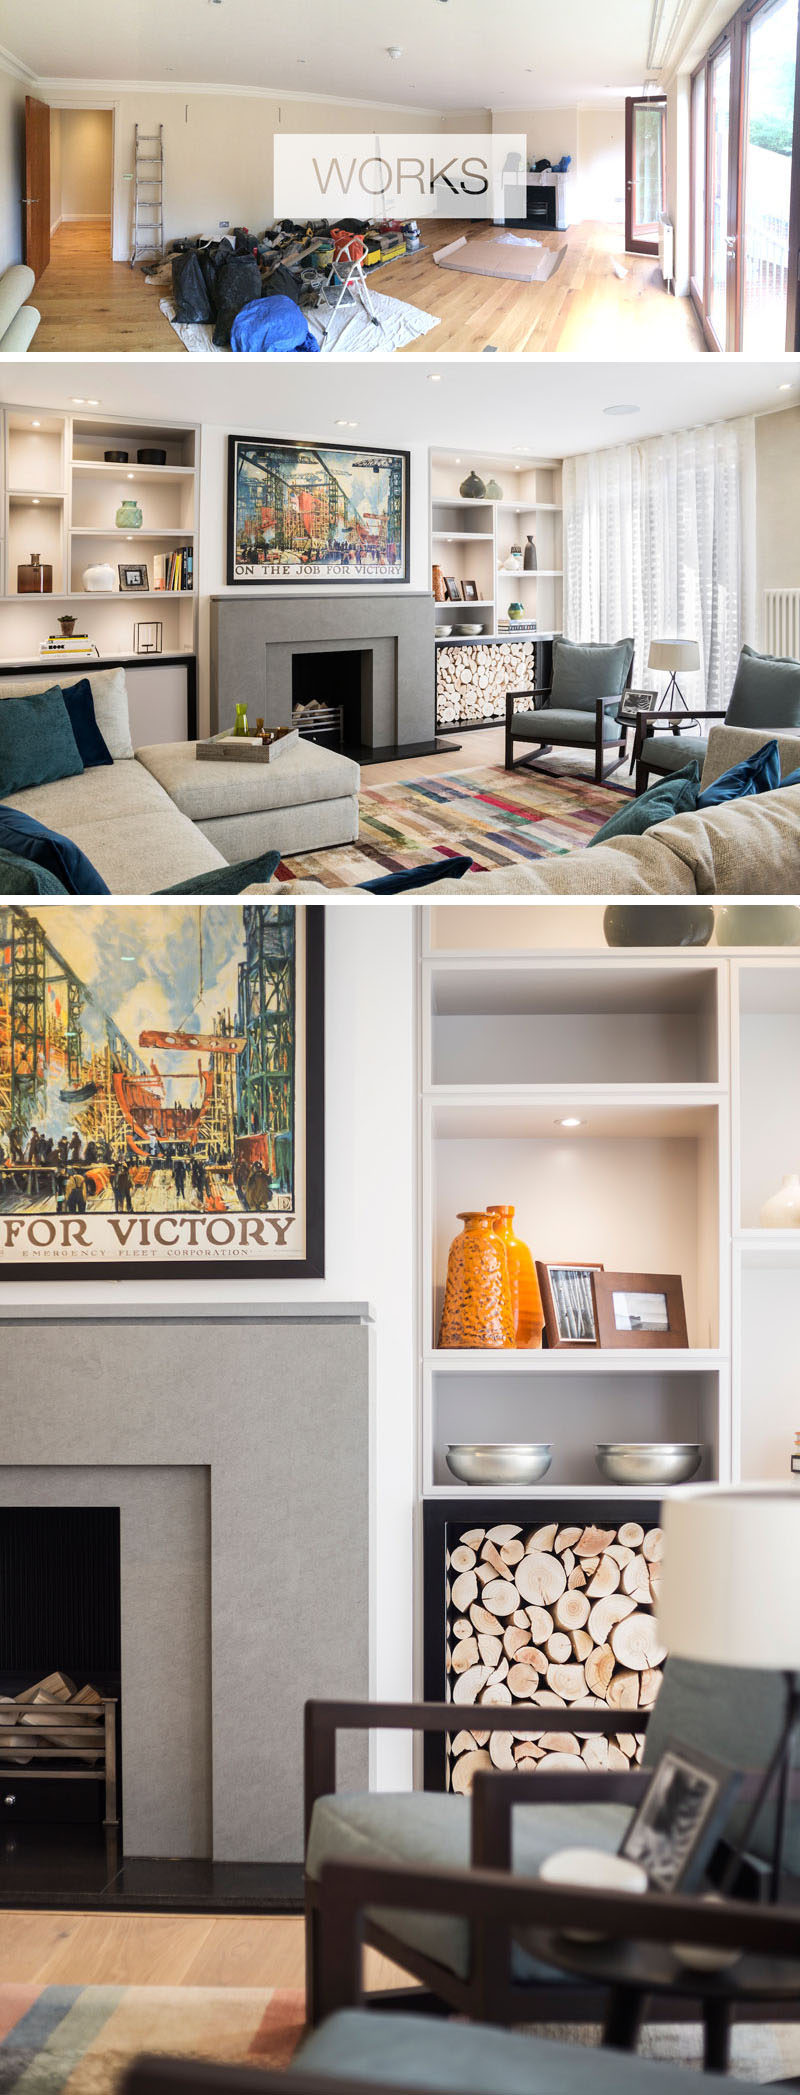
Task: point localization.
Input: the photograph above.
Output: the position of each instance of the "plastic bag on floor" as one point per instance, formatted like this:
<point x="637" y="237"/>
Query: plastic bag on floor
<point x="238" y="284"/>
<point x="273" y="324"/>
<point x="189" y="290"/>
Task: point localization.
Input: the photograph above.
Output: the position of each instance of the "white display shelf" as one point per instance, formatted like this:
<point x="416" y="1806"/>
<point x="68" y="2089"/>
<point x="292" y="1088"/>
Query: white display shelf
<point x="137" y="532"/>
<point x="602" y="1360"/>
<point x="100" y="469"/>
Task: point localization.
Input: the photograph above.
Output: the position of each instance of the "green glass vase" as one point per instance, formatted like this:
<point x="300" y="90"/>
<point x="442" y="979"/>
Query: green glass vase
<point x="240" y="722"/>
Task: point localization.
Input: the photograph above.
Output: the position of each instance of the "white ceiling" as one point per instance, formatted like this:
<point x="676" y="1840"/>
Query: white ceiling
<point x="552" y="407"/>
<point x="456" y="54"/>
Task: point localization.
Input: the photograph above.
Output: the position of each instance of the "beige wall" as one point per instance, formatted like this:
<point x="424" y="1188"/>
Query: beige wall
<point x="12" y="167"/>
<point x="777" y="508"/>
<point x="595" y="139"/>
<point x="86" y="163"/>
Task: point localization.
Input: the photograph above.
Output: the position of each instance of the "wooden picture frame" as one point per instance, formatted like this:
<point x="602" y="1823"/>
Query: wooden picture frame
<point x="306" y="513"/>
<point x="133" y="575"/>
<point x="453" y="590"/>
<point x="471" y="593"/>
<point x="681" y="1817"/>
<point x="568" y="1302"/>
<point x="621" y="1300"/>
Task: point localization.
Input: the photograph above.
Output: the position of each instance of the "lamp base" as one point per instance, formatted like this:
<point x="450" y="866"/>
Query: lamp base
<point x="672" y="697"/>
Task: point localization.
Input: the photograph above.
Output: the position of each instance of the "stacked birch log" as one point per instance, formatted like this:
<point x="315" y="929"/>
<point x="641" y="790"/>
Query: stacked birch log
<point x="471" y="682"/>
<point x="562" y="1616"/>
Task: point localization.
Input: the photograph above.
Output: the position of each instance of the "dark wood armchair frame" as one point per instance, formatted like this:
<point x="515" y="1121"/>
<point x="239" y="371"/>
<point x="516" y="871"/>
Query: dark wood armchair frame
<point x="602" y="770"/>
<point x="484" y="1897"/>
<point x="651" y="724"/>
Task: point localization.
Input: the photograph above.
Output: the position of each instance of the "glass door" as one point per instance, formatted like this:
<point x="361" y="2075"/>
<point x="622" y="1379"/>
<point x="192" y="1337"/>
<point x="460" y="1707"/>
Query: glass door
<point x="645" y="172"/>
<point x="719" y="253"/>
<point x="770" y="64"/>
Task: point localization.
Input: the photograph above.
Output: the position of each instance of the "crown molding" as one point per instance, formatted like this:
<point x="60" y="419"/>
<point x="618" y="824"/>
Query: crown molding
<point x="15" y="66"/>
<point x="88" y="89"/>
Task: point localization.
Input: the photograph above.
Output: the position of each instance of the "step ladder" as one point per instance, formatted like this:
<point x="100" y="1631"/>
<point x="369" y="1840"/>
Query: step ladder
<point x="148" y="194"/>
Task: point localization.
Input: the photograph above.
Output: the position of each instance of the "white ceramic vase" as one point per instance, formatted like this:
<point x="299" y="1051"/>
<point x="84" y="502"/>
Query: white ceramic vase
<point x="100" y="578"/>
<point x="782" y="1210"/>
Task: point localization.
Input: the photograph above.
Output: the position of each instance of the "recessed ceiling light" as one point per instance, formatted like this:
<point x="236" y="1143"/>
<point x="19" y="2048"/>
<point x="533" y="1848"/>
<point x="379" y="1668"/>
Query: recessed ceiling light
<point x="36" y="502"/>
<point x="130" y="476"/>
<point x="37" y="425"/>
<point x="785" y="388"/>
<point x="78" y="400"/>
<point x="570" y="1122"/>
<point x="622" y="407"/>
<point x="341" y="423"/>
<point x="394" y="50"/>
<point x="434" y="378"/>
<point x="93" y="403"/>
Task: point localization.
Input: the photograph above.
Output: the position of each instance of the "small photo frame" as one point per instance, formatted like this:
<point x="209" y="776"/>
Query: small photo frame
<point x="471" y="593"/>
<point x="639" y="1309"/>
<point x="453" y="590"/>
<point x="682" y="1815"/>
<point x="633" y="702"/>
<point x="148" y="637"/>
<point x="133" y="575"/>
<point x="568" y="1304"/>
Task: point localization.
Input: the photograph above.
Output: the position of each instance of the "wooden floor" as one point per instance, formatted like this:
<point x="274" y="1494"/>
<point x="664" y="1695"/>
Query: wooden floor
<point x="159" y="1949"/>
<point x="88" y="302"/>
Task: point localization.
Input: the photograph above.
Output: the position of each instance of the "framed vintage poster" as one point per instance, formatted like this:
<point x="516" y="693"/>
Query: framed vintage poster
<point x="161" y="1091"/>
<point x="316" y="512"/>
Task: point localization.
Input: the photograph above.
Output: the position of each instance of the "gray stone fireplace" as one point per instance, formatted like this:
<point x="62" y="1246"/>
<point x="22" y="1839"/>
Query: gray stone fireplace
<point x="236" y="1447"/>
<point x="254" y="643"/>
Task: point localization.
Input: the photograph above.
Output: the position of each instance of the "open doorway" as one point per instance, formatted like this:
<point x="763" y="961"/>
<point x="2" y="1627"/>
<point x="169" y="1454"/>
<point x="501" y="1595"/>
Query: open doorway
<point x="69" y="186"/>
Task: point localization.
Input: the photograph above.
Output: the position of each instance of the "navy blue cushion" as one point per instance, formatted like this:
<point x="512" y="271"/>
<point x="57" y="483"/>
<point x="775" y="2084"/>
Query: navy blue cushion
<point x="22" y="876"/>
<point x="417" y="876"/>
<point x="675" y="795"/>
<point x="792" y="779"/>
<point x="228" y="880"/>
<point x="80" y="707"/>
<point x="37" y="744"/>
<point x="24" y="837"/>
<point x="760" y="773"/>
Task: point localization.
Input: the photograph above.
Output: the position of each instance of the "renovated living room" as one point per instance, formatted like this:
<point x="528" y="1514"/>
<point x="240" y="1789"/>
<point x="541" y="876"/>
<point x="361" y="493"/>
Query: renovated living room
<point x="259" y="1574"/>
<point x="655" y="156"/>
<point x="538" y="632"/>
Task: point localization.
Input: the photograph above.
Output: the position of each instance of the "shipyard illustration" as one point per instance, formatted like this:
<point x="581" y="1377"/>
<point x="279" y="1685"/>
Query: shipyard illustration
<point x="148" y="1080"/>
<point x="302" y="512"/>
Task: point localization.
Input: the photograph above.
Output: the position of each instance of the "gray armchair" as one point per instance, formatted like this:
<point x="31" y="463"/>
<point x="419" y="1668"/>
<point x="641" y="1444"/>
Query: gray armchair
<point x="580" y="707"/>
<point x="766" y="694"/>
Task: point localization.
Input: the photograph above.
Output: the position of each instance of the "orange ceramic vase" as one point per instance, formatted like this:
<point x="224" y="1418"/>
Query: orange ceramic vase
<point x="477" y="1298"/>
<point x="526" y="1300"/>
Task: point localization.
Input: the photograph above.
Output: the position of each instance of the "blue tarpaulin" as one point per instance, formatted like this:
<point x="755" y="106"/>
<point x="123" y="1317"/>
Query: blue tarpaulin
<point x="272" y="323"/>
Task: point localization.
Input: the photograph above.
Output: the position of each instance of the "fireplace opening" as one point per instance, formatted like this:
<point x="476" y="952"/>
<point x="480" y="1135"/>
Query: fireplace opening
<point x="331" y="695"/>
<point x="60" y="1674"/>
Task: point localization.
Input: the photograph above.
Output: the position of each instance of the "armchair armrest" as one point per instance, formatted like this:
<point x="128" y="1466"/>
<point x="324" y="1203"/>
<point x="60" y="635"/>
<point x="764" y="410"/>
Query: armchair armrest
<point x="495" y="1795"/>
<point x="537" y="691"/>
<point x="482" y="1896"/>
<point x="324" y="1719"/>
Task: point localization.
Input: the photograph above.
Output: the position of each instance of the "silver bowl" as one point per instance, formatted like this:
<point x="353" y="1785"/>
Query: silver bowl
<point x="500" y="1462"/>
<point x="648" y="1461"/>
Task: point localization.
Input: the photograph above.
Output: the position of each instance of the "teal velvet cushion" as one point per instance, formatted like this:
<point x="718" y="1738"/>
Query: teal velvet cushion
<point x="676" y="795"/>
<point x="584" y="671"/>
<point x="760" y="773"/>
<point x="228" y="880"/>
<point x="766" y="691"/>
<point x="22" y="876"/>
<point x="37" y="744"/>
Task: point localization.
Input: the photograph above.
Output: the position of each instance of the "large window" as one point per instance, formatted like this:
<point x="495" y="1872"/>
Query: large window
<point x="746" y="182"/>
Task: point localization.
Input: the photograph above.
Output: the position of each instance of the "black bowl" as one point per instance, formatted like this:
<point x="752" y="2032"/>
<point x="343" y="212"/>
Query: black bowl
<point x="115" y="458"/>
<point x="149" y="457"/>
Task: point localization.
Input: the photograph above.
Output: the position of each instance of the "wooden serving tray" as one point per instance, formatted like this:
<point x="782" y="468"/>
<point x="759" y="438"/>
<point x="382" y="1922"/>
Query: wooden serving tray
<point x="248" y="749"/>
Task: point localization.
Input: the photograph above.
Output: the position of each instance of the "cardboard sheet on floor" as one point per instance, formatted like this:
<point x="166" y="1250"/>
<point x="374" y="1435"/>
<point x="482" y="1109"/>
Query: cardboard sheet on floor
<point x="513" y="255"/>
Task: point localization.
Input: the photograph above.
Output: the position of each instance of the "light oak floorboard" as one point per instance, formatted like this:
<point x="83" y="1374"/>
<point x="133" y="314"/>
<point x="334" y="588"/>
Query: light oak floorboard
<point x="162" y="1949"/>
<point x="88" y="302"/>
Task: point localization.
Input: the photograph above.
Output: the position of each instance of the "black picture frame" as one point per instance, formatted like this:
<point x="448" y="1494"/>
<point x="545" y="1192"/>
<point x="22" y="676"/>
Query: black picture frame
<point x="266" y="572"/>
<point x="699" y="1792"/>
<point x="633" y="702"/>
<point x="311" y="1266"/>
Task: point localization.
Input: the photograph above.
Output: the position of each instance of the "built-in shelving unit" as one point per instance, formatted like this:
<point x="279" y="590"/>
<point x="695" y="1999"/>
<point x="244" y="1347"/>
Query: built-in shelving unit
<point x="765" y="1137"/>
<point x="472" y="540"/>
<point x="59" y="497"/>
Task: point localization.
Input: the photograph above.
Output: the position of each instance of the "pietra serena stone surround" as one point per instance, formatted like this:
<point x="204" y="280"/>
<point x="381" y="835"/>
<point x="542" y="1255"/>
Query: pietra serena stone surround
<point x="253" y="641"/>
<point x="237" y="1448"/>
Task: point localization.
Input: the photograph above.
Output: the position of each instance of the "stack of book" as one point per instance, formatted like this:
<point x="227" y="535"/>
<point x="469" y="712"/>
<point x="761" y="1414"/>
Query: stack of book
<point x="517" y="625"/>
<point x="174" y="571"/>
<point x="73" y="644"/>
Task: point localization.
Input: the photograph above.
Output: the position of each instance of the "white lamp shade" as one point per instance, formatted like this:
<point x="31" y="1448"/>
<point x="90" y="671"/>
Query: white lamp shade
<point x="731" y="1577"/>
<point x="673" y="655"/>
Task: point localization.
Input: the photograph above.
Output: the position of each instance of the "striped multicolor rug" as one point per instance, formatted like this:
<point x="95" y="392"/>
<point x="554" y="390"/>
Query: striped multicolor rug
<point x="81" y="2039"/>
<point x="491" y="816"/>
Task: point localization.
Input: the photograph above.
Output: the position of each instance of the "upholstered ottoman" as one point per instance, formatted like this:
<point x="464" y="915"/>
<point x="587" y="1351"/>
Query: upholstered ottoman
<point x="307" y="798"/>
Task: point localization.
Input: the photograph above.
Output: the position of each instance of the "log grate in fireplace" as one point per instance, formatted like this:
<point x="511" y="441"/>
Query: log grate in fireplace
<point x="80" y="1731"/>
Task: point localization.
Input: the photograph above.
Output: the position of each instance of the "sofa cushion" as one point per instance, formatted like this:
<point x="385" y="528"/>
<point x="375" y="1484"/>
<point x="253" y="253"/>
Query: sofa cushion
<point x="37" y="744"/>
<point x="109" y="696"/>
<point x="22" y="835"/>
<point x="727" y="746"/>
<point x="670" y="796"/>
<point x="412" y="877"/>
<point x="22" y="876"/>
<point x="672" y="752"/>
<point x="557" y="724"/>
<point x="83" y="721"/>
<point x="759" y="773"/>
<point x="429" y="1826"/>
<point x="422" y="2051"/>
<point x="766" y="688"/>
<point x="586" y="670"/>
<point x="207" y="791"/>
<point x="228" y="880"/>
<point x="127" y="825"/>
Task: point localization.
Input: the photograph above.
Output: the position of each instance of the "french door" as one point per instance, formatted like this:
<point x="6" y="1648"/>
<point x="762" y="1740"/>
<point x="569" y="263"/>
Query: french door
<point x="745" y="182"/>
<point x="645" y="171"/>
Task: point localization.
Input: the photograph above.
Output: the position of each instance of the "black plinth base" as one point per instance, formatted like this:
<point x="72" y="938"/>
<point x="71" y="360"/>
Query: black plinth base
<point x="56" y="1867"/>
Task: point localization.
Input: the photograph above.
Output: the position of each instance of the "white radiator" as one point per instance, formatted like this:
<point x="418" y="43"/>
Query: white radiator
<point x="782" y="622"/>
<point x="666" y="249"/>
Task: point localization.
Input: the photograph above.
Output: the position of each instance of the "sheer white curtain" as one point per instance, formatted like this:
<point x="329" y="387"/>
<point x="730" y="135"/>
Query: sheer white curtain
<point x="659" y="541"/>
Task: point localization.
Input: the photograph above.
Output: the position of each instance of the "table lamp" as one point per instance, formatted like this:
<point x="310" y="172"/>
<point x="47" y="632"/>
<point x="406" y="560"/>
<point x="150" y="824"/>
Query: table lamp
<point x="673" y="655"/>
<point x="731" y="1597"/>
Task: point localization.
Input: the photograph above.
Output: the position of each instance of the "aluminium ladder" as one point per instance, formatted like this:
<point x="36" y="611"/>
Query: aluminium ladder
<point x="148" y="194"/>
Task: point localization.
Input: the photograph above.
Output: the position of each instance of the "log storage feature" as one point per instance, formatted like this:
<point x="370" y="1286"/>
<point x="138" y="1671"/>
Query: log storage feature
<point x="550" y="1617"/>
<point x="472" y="680"/>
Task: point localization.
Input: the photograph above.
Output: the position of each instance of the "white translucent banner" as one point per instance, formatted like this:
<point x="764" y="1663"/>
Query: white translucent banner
<point x="400" y="175"/>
